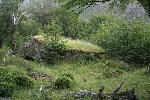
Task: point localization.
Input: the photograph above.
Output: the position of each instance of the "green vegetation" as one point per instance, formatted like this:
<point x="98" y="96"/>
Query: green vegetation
<point x="64" y="82"/>
<point x="53" y="51"/>
<point x="47" y="52"/>
<point x="11" y="78"/>
<point x="83" y="46"/>
<point x="128" y="40"/>
<point x="87" y="75"/>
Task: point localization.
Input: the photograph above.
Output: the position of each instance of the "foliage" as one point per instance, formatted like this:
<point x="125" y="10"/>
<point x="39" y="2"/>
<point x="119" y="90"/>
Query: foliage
<point x="87" y="76"/>
<point x="68" y="24"/>
<point x="66" y="81"/>
<point x="12" y="79"/>
<point x="127" y="40"/>
<point x="109" y="73"/>
<point x="54" y="46"/>
<point x="6" y="89"/>
<point x="40" y="11"/>
<point x="67" y="21"/>
<point x="100" y="25"/>
<point x="54" y="51"/>
<point x="94" y="26"/>
<point x="25" y="30"/>
<point x="23" y="82"/>
<point x="96" y="21"/>
<point x="72" y="26"/>
<point x="9" y="18"/>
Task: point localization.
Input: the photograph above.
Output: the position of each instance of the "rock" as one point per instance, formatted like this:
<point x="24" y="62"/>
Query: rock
<point x="33" y="49"/>
<point x="83" y="94"/>
<point x="39" y="75"/>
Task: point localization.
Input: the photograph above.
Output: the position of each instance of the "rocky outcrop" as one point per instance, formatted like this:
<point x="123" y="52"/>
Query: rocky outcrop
<point x="116" y="95"/>
<point x="33" y="49"/>
<point x="100" y="95"/>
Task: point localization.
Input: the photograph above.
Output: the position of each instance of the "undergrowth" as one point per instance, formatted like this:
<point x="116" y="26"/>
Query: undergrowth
<point x="88" y="75"/>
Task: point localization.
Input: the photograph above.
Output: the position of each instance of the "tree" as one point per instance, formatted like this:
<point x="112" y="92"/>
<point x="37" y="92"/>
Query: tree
<point x="40" y="10"/>
<point x="67" y="21"/>
<point x="9" y="18"/>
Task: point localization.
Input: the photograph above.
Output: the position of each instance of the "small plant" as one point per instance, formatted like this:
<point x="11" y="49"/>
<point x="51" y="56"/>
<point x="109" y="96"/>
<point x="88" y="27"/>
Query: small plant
<point x="23" y="82"/>
<point x="6" y="89"/>
<point x="112" y="73"/>
<point x="66" y="81"/>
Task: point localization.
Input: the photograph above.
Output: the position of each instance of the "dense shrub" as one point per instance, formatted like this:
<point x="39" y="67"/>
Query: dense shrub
<point x="6" y="89"/>
<point x="100" y="25"/>
<point x="12" y="79"/>
<point x="64" y="82"/>
<point x="54" y="51"/>
<point x="129" y="41"/>
<point x="23" y="82"/>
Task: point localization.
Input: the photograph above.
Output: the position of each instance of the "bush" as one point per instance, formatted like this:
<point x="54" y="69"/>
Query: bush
<point x="54" y="51"/>
<point x="6" y="89"/>
<point x="129" y="41"/>
<point x="12" y="79"/>
<point x="64" y="82"/>
<point x="23" y="82"/>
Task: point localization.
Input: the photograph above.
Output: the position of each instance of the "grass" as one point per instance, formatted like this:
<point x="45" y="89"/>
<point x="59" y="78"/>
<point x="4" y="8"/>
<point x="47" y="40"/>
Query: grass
<point x="82" y="46"/>
<point x="77" y="44"/>
<point x="88" y="75"/>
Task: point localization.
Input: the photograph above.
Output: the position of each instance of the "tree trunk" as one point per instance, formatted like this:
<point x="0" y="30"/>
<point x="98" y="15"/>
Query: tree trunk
<point x="13" y="43"/>
<point x="13" y="40"/>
